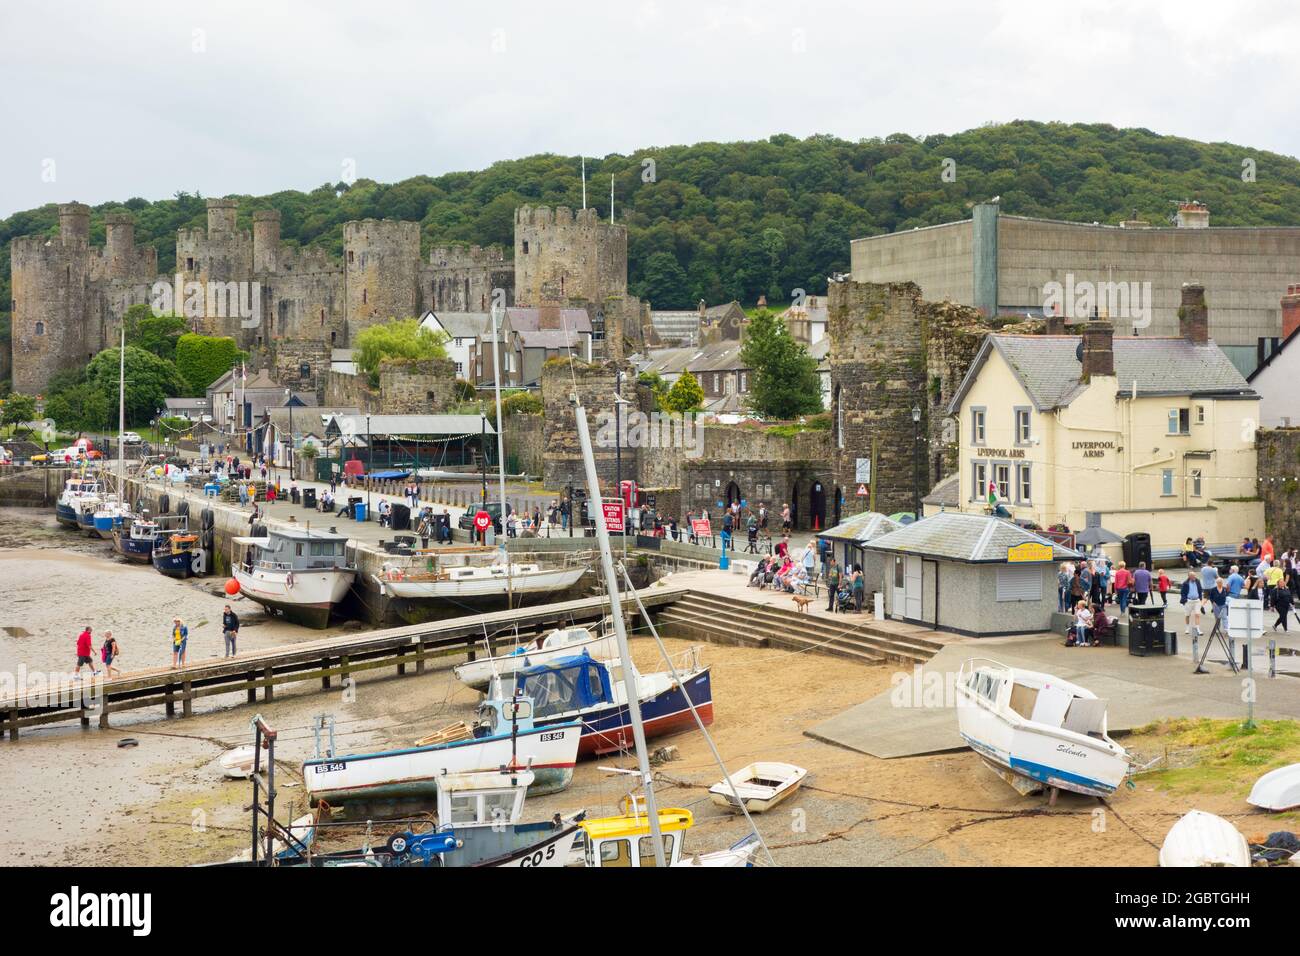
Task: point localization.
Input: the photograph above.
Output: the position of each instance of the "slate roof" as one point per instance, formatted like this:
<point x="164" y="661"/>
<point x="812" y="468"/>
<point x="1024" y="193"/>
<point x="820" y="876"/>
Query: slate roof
<point x="462" y="325"/>
<point x="381" y="425"/>
<point x="549" y="339"/>
<point x="946" y="492"/>
<point x="1050" y="372"/>
<point x="861" y="527"/>
<point x="549" y="317"/>
<point x="953" y="536"/>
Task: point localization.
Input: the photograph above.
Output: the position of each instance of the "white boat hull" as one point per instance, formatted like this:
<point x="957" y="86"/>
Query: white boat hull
<point x="760" y="786"/>
<point x="1202" y="839"/>
<point x="413" y="773"/>
<point x="305" y="596"/>
<point x="479" y="673"/>
<point x="532" y="582"/>
<point x="1277" y="790"/>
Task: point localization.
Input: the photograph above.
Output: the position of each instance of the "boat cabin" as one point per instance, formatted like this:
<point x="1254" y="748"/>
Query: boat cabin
<point x="486" y="799"/>
<point x="294" y="550"/>
<point x="625" y="840"/>
<point x="497" y="716"/>
<point x="565" y="685"/>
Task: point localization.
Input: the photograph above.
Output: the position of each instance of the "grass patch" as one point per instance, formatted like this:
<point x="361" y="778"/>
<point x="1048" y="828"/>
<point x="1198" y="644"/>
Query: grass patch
<point x="1216" y="756"/>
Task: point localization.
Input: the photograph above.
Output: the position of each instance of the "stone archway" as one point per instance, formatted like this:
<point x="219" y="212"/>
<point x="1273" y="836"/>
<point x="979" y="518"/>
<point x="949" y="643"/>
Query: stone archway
<point x="733" y="493"/>
<point x="816" y="505"/>
<point x="795" y="491"/>
<point x="837" y="501"/>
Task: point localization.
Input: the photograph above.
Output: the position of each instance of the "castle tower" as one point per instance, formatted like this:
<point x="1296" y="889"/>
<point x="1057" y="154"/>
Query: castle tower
<point x="221" y="217"/>
<point x="266" y="240"/>
<point x="74" y="224"/>
<point x="120" y="258"/>
<point x="381" y="267"/>
<point x="567" y="258"/>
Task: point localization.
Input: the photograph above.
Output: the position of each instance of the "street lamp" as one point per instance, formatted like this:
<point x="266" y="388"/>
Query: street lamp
<point x="288" y="400"/>
<point x="916" y="466"/>
<point x="370" y="464"/>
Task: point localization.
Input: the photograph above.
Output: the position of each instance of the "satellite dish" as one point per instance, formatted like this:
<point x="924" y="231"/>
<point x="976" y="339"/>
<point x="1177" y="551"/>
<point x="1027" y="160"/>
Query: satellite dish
<point x="1078" y="352"/>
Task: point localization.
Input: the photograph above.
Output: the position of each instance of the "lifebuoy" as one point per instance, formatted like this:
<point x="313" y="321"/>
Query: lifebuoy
<point x="288" y="580"/>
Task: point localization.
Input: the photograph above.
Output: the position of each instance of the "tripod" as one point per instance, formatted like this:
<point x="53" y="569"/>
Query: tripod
<point x="1217" y="631"/>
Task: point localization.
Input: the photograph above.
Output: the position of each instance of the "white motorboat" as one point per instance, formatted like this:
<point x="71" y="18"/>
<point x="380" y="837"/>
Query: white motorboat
<point x="238" y="763"/>
<point x="299" y="574"/>
<point x="561" y="642"/>
<point x="504" y="735"/>
<point x="489" y="581"/>
<point x="1277" y="790"/>
<point x="760" y="786"/>
<point x="1038" y="727"/>
<point x="1202" y="839"/>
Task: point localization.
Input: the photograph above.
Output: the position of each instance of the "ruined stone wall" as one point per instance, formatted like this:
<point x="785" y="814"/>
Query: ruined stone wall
<point x="416" y="388"/>
<point x="563" y="453"/>
<point x="953" y="334"/>
<point x="301" y="366"/>
<point x="525" y="442"/>
<point x="343" y="390"/>
<point x="1278" y="451"/>
<point x="302" y="306"/>
<point x="461" y="279"/>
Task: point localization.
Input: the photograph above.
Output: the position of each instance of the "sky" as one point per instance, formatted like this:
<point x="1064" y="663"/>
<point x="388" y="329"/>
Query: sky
<point x="112" y="100"/>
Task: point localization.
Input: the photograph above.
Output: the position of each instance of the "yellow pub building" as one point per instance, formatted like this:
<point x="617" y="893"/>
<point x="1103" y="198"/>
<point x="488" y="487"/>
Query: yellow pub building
<point x="1148" y="434"/>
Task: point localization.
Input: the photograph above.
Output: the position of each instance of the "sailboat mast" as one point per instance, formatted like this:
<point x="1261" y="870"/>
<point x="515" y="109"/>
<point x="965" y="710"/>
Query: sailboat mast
<point x="121" y="409"/>
<point x="584" y="182"/>
<point x="501" y="454"/>
<point x="620" y="632"/>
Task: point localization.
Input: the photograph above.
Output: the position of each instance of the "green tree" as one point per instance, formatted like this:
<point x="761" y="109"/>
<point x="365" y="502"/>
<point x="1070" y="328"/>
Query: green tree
<point x="400" y="339"/>
<point x="785" y="382"/>
<point x="154" y="333"/>
<point x="202" y="359"/>
<point x="149" y="381"/>
<point x="655" y="382"/>
<point x="685" y="395"/>
<point x="665" y="283"/>
<point x="18" y="408"/>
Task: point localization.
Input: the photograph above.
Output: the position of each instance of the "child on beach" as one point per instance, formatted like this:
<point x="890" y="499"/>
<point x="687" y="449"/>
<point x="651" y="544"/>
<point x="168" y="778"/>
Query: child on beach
<point x="180" y="633"/>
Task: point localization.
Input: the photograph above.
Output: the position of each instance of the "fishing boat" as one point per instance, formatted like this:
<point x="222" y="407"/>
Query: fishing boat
<point x="504" y="734"/>
<point x="301" y="575"/>
<point x="110" y="516"/>
<point x="74" y="489"/>
<point x="178" y="555"/>
<point x="463" y="584"/>
<point x="760" y="786"/>
<point x="624" y="840"/>
<point x="580" y="688"/>
<point x="562" y="642"/>
<point x="1277" y="790"/>
<point x="1039" y="728"/>
<point x="1202" y="839"/>
<point x="85" y="507"/>
<point x="138" y="536"/>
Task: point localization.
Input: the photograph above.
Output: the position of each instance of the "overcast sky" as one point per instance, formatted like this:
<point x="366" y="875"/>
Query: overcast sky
<point x="108" y="101"/>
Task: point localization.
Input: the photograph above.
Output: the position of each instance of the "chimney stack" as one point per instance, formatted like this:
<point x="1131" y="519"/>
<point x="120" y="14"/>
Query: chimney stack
<point x="1290" y="311"/>
<point x="1193" y="317"/>
<point x="1193" y="215"/>
<point x="1098" y="348"/>
<point x="1056" y="325"/>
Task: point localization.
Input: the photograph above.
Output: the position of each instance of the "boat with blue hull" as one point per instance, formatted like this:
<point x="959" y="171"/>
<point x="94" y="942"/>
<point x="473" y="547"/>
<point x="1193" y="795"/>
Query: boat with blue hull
<point x="580" y="688"/>
<point x="179" y="556"/>
<point x="74" y="490"/>
<point x="139" y="536"/>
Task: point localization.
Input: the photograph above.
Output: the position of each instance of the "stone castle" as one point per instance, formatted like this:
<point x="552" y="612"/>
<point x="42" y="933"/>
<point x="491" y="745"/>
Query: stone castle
<point x="69" y="297"/>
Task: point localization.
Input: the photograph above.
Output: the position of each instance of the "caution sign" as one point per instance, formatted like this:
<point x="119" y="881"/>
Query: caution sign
<point x="862" y="491"/>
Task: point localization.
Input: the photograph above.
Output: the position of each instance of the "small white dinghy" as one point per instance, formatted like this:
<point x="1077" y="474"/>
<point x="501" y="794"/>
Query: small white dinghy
<point x="1202" y="839"/>
<point x="760" y="786"/>
<point x="1277" y="790"/>
<point x="238" y="763"/>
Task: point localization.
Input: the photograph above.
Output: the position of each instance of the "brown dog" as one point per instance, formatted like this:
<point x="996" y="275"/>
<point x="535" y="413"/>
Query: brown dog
<point x="801" y="602"/>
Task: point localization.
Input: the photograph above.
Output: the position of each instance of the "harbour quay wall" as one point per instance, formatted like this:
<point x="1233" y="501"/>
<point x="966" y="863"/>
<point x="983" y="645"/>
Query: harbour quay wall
<point x="32" y="487"/>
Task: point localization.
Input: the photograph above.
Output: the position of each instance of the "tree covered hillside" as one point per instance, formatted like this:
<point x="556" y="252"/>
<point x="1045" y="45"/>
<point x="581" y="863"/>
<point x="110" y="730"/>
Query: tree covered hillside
<point x="735" y="220"/>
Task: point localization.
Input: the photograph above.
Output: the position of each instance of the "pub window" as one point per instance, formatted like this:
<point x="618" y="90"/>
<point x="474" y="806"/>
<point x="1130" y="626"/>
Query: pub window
<point x="977" y="426"/>
<point x="1196" y="482"/>
<point x="1002" y="476"/>
<point x="1167" y="482"/>
<point x="1179" y="421"/>
<point x="1024" y="486"/>
<point x="1022" y="426"/>
<point x="979" y="480"/>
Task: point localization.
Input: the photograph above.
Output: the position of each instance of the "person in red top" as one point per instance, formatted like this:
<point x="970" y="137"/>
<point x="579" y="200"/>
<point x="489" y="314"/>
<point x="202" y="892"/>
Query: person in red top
<point x="85" y="651"/>
<point x="1266" y="549"/>
<point x="1162" y="585"/>
<point x="1123" y="578"/>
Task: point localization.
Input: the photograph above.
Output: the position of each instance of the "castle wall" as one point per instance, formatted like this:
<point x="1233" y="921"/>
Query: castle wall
<point x="49" y="282"/>
<point x="460" y="279"/>
<point x="416" y="388"/>
<point x="595" y="386"/>
<point x="301" y="366"/>
<point x="381" y="272"/>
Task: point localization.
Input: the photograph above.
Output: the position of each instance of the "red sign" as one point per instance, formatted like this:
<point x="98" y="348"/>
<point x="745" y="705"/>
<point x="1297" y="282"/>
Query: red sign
<point x="700" y="528"/>
<point x="613" y="515"/>
<point x="482" y="520"/>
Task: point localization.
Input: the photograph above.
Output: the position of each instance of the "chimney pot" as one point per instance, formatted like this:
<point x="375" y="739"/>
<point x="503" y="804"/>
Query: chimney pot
<point x="1290" y="311"/>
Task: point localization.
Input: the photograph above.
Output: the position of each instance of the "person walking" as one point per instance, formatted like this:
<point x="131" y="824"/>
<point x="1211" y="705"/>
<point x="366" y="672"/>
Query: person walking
<point x="786" y="524"/>
<point x="832" y="582"/>
<point x="1282" y="601"/>
<point x="1189" y="596"/>
<point x="1064" y="575"/>
<point x="1141" y="584"/>
<point x="230" y="630"/>
<point x="425" y="529"/>
<point x="180" y="634"/>
<point x="859" y="587"/>
<point x="1122" y="581"/>
<point x="752" y="531"/>
<point x="85" y="648"/>
<point x="1162" y="585"/>
<point x="108" y="653"/>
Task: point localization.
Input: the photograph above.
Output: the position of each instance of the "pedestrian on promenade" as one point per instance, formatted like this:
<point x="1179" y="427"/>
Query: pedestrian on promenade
<point x="425" y="529"/>
<point x="180" y="634"/>
<point x="1141" y="584"/>
<point x="85" y="648"/>
<point x="1190" y="597"/>
<point x="786" y="524"/>
<point x="1064" y="575"/>
<point x="1162" y="585"/>
<point x="762" y="516"/>
<point x="1122" y="581"/>
<point x="1282" y="602"/>
<point x="108" y="653"/>
<point x="832" y="582"/>
<point x="859" y="587"/>
<point x="230" y="630"/>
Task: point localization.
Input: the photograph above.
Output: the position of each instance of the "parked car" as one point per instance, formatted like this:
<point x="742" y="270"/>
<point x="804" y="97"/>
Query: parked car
<point x="466" y="521"/>
<point x="131" y="438"/>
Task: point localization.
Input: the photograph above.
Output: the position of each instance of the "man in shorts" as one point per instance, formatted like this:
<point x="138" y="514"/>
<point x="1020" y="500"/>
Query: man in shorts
<point x="85" y="651"/>
<point x="180" y="633"/>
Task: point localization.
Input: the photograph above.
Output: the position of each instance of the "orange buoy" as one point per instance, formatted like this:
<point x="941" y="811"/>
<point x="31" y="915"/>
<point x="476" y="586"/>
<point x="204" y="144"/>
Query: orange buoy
<point x="232" y="587"/>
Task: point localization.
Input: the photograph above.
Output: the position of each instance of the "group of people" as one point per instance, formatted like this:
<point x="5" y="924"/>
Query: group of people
<point x="110" y="651"/>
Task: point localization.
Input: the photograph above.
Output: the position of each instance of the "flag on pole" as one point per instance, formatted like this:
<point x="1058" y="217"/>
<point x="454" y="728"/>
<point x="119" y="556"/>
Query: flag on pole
<point x="993" y="493"/>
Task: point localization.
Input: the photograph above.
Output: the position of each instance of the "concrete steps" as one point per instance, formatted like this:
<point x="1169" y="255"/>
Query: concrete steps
<point x="760" y="625"/>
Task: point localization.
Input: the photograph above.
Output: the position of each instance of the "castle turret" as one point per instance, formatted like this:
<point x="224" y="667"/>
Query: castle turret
<point x="381" y="271"/>
<point x="221" y="217"/>
<point x="563" y="257"/>
<point x="120" y="257"/>
<point x="266" y="240"/>
<point x="74" y="224"/>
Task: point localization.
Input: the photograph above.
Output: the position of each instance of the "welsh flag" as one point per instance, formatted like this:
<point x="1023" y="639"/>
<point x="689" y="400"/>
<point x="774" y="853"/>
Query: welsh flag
<point x="993" y="493"/>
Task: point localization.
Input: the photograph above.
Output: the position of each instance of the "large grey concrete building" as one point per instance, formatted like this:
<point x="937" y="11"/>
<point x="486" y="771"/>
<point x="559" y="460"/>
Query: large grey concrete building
<point x="1131" y="273"/>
